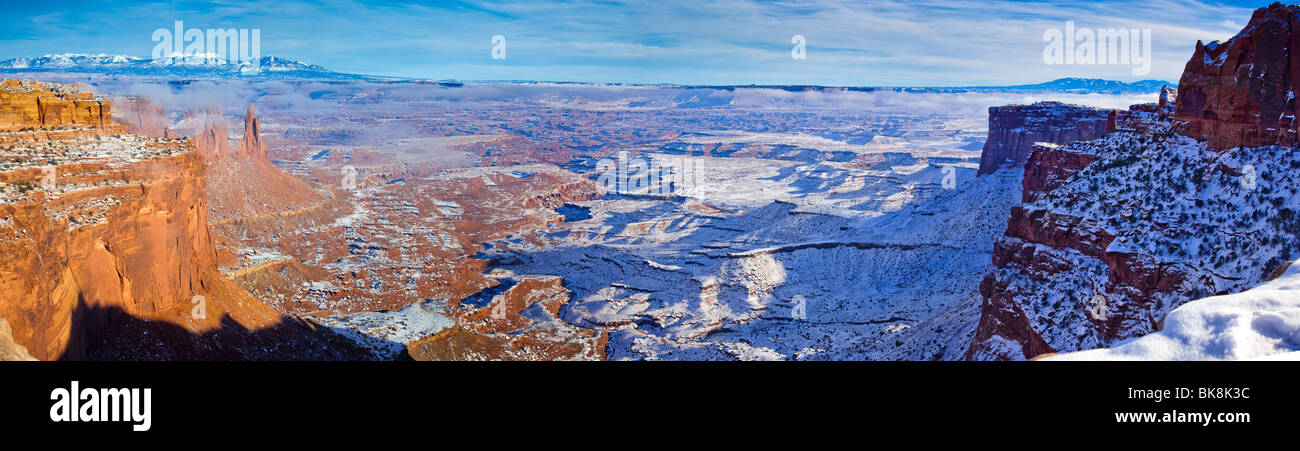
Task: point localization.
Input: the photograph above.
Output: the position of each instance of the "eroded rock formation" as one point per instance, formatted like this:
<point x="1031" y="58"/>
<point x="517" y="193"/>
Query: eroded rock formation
<point x="108" y="249"/>
<point x="9" y="349"/>
<point x="1242" y="92"/>
<point x="243" y="184"/>
<point x="582" y="190"/>
<point x="1170" y="206"/>
<point x="1014" y="129"/>
<point x="26" y="104"/>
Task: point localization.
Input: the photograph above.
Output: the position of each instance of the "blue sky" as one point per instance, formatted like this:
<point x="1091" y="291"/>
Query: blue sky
<point x="890" y="42"/>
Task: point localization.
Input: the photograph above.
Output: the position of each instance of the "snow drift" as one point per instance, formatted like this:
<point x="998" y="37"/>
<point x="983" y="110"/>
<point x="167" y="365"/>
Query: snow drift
<point x="1262" y="322"/>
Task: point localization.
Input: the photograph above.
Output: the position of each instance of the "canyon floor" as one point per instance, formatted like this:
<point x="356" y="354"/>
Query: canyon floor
<point x="479" y="226"/>
<point x="518" y="221"/>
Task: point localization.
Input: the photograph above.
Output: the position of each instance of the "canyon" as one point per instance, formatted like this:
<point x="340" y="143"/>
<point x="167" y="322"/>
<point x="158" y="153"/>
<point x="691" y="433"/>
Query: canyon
<point x="1186" y="198"/>
<point x="364" y="219"/>
<point x="468" y="230"/>
<point x="110" y="251"/>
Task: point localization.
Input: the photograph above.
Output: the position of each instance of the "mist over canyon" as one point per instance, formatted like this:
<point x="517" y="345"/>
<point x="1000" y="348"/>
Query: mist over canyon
<point x="153" y="211"/>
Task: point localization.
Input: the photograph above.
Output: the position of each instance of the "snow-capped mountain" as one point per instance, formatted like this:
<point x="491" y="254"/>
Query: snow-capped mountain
<point x="190" y="66"/>
<point x="1060" y="85"/>
<point x="208" y="66"/>
<point x="1090" y="86"/>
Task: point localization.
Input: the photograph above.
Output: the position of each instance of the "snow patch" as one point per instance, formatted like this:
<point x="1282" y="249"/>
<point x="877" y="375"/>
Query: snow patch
<point x="1260" y="323"/>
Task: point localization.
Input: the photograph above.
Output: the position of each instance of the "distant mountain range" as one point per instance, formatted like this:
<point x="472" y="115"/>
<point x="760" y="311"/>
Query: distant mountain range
<point x="1089" y="85"/>
<point x="1060" y="85"/>
<point x="268" y="67"/>
<point x="277" y="68"/>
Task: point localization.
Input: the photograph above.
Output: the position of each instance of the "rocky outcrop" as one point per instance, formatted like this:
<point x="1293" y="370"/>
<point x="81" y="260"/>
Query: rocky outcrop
<point x="1014" y="129"/>
<point x="251" y="146"/>
<point x="26" y="104"/>
<point x="107" y="237"/>
<point x="108" y="254"/>
<point x="242" y="182"/>
<point x="1050" y="166"/>
<point x="1148" y="118"/>
<point x="9" y="349"/>
<point x="1242" y="92"/>
<point x="1184" y="198"/>
<point x="1057" y="260"/>
<point x="1057" y="230"/>
<point x="582" y="190"/>
<point x="1117" y="231"/>
<point x="1167" y="98"/>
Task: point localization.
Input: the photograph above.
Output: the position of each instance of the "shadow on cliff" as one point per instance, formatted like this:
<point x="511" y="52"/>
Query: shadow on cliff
<point x="111" y="334"/>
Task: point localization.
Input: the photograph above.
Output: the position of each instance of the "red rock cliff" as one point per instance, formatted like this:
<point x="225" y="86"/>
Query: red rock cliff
<point x="1242" y="92"/>
<point x="1014" y="129"/>
<point x="26" y="104"/>
<point x="1116" y="232"/>
<point x="106" y="247"/>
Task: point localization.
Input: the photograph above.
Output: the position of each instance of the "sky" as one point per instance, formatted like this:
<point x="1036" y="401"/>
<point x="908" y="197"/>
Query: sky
<point x="846" y="43"/>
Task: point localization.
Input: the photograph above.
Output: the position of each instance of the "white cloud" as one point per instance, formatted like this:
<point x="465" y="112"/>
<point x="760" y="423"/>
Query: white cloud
<point x="885" y="42"/>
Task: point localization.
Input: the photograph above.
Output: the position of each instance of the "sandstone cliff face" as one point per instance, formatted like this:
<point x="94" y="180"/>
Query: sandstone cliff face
<point x="1116" y="232"/>
<point x="1014" y="129"/>
<point x="9" y="349"/>
<point x="1192" y="196"/>
<point x="26" y="104"/>
<point x="108" y="253"/>
<point x="115" y="234"/>
<point x="1242" y="92"/>
<point x="1104" y="252"/>
<point x="1048" y="168"/>
<point x="252" y="147"/>
<point x="136" y="240"/>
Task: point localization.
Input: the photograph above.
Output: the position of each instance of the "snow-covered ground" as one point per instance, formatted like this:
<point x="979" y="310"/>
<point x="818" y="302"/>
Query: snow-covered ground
<point x="1260" y="323"/>
<point x="387" y="333"/>
<point x="842" y="268"/>
<point x="1199" y="221"/>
